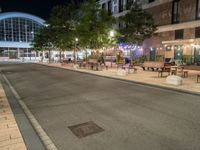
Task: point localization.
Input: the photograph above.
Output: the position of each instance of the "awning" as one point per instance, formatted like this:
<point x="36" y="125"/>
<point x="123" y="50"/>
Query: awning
<point x="182" y="42"/>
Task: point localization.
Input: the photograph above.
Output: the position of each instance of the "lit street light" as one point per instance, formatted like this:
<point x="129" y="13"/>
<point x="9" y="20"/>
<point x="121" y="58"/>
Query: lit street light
<point x="111" y="33"/>
<point x="76" y="41"/>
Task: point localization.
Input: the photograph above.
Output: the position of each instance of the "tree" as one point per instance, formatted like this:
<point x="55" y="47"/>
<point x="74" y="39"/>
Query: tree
<point x="43" y="40"/>
<point x="63" y="22"/>
<point x="138" y="25"/>
<point x="94" y="26"/>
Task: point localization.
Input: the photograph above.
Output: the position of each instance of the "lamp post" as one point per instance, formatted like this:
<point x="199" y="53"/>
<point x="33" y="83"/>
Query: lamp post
<point x="76" y="41"/>
<point x="111" y="35"/>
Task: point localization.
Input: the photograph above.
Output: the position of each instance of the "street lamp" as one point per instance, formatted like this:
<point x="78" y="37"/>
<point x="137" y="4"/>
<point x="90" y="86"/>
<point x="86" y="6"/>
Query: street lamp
<point x="76" y="41"/>
<point x="111" y="35"/>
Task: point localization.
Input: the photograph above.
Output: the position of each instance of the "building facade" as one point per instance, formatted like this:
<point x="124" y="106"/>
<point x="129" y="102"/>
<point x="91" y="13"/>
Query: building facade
<point x="17" y="31"/>
<point x="178" y="34"/>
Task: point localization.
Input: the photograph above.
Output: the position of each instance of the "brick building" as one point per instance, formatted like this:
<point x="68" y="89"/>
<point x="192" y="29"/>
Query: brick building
<point x="178" y="34"/>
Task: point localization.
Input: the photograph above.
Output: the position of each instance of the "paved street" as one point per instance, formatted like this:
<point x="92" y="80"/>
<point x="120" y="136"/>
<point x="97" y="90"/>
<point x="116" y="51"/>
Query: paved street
<point x="133" y="117"/>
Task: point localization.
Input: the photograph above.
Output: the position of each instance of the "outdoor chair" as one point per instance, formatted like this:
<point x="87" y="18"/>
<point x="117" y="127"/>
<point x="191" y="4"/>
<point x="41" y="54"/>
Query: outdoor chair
<point x="129" y="68"/>
<point x="184" y="73"/>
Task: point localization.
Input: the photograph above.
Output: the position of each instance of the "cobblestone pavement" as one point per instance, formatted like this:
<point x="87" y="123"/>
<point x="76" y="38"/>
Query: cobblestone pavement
<point x="149" y="77"/>
<point x="10" y="136"/>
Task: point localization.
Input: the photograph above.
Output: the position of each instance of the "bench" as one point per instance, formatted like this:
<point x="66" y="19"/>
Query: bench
<point x="82" y="64"/>
<point x="161" y="71"/>
<point x="93" y="64"/>
<point x="63" y="62"/>
<point x="153" y="65"/>
<point x="179" y="70"/>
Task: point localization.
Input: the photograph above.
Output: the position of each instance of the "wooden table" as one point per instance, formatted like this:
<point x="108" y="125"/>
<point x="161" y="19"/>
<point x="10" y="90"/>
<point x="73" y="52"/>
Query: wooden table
<point x="179" y="69"/>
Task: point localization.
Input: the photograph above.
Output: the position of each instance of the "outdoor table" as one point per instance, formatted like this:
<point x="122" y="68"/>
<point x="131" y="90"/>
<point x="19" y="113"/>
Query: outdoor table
<point x="179" y="69"/>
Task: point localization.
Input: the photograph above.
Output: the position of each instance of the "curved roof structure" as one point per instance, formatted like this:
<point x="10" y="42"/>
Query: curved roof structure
<point x="17" y="29"/>
<point x="21" y="15"/>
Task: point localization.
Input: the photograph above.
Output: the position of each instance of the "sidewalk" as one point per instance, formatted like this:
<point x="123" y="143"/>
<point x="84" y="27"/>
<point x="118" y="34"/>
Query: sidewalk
<point x="146" y="77"/>
<point x="10" y="136"/>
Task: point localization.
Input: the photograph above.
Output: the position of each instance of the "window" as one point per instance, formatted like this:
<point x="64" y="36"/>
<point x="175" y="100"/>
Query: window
<point x="150" y="1"/>
<point x="109" y="8"/>
<point x="197" y="32"/>
<point x="128" y="4"/>
<point x="115" y="9"/>
<point x="104" y="6"/>
<point x="18" y="29"/>
<point x="176" y="11"/>
<point x="179" y="34"/>
<point x="121" y="5"/>
<point x="115" y="1"/>
<point x="198" y="9"/>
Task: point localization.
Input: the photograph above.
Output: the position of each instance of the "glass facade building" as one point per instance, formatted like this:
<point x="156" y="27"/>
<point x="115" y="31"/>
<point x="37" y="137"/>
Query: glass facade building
<point x="17" y="31"/>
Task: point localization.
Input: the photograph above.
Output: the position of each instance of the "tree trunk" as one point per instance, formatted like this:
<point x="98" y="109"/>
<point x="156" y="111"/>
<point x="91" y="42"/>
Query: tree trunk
<point x="86" y="57"/>
<point x="49" y="56"/>
<point x="74" y="55"/>
<point x="42" y="56"/>
<point x="60" y="55"/>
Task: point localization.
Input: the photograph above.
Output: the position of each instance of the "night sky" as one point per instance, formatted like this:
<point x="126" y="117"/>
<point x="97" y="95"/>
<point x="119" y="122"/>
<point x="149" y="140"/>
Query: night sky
<point x="41" y="8"/>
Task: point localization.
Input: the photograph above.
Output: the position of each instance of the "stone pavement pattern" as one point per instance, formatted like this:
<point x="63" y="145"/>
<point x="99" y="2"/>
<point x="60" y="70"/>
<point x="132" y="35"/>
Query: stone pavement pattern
<point x="148" y="77"/>
<point x="10" y="136"/>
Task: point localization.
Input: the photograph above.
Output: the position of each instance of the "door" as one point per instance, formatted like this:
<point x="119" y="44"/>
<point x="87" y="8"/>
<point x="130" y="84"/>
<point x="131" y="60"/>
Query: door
<point x="12" y="54"/>
<point x="197" y="56"/>
<point x="178" y="52"/>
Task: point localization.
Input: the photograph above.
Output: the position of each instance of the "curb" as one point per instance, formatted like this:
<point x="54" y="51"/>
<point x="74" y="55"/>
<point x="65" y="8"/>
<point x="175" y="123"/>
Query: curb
<point x="40" y="131"/>
<point x="10" y="133"/>
<point x="130" y="81"/>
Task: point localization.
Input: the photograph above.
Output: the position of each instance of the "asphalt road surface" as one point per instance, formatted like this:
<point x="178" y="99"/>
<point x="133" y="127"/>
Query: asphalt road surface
<point x="134" y="117"/>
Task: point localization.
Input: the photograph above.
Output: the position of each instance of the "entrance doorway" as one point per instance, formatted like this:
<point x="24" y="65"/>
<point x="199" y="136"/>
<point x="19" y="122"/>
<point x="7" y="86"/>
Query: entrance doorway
<point x="197" y="56"/>
<point x="178" y="52"/>
<point x="13" y="54"/>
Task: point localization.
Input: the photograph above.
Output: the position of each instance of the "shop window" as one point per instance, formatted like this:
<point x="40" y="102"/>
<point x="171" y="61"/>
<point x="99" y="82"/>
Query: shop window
<point x="179" y="34"/>
<point x="197" y="32"/>
<point x="176" y="11"/>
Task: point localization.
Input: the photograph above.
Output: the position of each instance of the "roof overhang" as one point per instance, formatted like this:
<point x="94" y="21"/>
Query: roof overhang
<point x="182" y="42"/>
<point x="15" y="44"/>
<point x="23" y="15"/>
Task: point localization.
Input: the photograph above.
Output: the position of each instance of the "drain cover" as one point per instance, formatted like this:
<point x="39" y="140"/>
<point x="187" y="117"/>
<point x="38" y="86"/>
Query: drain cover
<point x="85" y="129"/>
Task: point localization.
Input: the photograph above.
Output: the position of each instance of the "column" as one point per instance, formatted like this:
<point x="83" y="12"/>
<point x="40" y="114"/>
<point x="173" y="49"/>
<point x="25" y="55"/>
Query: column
<point x="18" y="53"/>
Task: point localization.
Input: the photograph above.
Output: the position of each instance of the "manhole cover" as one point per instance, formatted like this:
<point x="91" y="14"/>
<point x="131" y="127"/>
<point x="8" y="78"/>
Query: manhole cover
<point x="85" y="129"/>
